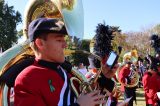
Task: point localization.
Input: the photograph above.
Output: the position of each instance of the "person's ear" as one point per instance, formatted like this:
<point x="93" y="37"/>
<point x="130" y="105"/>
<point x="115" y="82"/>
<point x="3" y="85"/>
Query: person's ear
<point x="39" y="43"/>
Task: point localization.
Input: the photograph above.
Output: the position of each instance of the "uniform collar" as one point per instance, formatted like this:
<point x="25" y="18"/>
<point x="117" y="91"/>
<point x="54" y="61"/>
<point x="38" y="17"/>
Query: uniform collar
<point x="52" y="65"/>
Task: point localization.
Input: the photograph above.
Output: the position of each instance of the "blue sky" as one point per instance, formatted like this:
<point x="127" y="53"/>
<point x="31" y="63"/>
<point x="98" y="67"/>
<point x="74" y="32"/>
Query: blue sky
<point x="130" y="15"/>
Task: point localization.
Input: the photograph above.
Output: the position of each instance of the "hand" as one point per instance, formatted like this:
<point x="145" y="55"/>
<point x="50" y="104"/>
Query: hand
<point x="107" y="72"/>
<point x="91" y="99"/>
<point x="117" y="93"/>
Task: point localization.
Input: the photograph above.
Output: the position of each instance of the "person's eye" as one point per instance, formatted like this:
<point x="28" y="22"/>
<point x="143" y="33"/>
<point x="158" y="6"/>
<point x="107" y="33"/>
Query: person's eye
<point x="60" y="40"/>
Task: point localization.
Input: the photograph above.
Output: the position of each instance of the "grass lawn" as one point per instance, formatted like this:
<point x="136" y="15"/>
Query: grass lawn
<point x="139" y="96"/>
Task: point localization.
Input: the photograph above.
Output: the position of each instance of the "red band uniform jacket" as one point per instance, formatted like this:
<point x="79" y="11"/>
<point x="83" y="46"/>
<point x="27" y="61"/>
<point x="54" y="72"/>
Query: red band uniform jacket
<point x="146" y="80"/>
<point x="46" y="84"/>
<point x="42" y="84"/>
<point x="154" y="87"/>
<point x="123" y="75"/>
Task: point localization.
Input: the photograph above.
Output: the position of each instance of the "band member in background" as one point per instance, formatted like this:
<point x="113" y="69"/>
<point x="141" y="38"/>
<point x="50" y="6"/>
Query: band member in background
<point x="154" y="88"/>
<point x="151" y="83"/>
<point x="146" y="80"/>
<point x="46" y="81"/>
<point x="124" y="77"/>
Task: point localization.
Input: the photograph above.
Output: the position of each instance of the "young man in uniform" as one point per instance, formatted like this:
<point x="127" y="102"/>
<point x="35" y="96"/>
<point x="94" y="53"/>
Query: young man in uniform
<point x="45" y="82"/>
<point x="154" y="88"/>
<point x="147" y="80"/>
<point x="124" y="77"/>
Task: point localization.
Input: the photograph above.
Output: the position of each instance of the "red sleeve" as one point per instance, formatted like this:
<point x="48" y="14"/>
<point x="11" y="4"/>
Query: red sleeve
<point x="122" y="75"/>
<point x="145" y="81"/>
<point x="148" y="84"/>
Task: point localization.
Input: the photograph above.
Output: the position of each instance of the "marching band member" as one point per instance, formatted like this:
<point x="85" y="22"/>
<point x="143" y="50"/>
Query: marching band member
<point x="124" y="77"/>
<point x="151" y="84"/>
<point x="112" y="95"/>
<point x="146" y="80"/>
<point x="155" y="85"/>
<point x="46" y="82"/>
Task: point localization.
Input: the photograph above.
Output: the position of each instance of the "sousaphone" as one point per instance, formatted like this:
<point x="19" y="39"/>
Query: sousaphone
<point x="133" y="57"/>
<point x="70" y="11"/>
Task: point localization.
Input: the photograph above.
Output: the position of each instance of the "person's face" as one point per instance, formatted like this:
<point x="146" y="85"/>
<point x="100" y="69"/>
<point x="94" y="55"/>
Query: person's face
<point x="53" y="48"/>
<point x="128" y="65"/>
<point x="81" y="66"/>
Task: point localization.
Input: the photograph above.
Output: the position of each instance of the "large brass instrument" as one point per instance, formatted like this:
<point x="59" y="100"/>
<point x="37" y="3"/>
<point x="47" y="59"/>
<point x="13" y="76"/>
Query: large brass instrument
<point x="71" y="9"/>
<point x="133" y="57"/>
<point x="134" y="78"/>
<point x="71" y="12"/>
